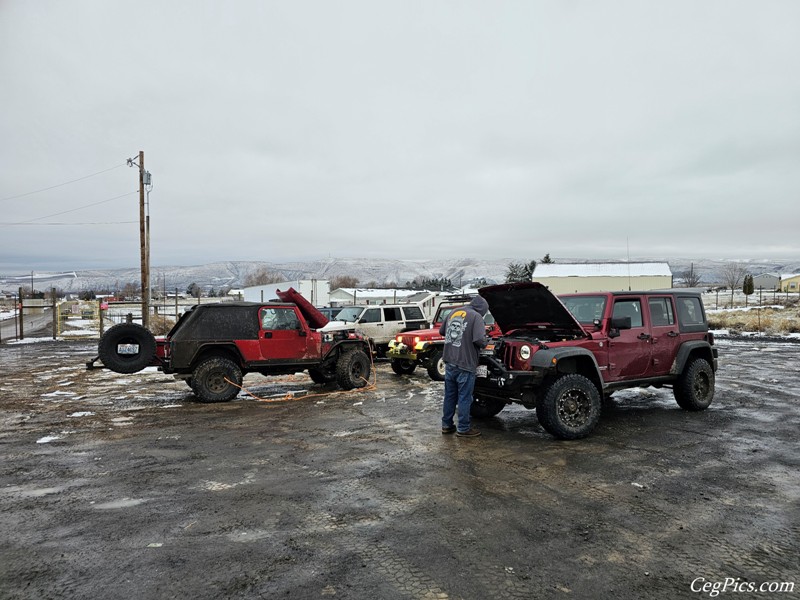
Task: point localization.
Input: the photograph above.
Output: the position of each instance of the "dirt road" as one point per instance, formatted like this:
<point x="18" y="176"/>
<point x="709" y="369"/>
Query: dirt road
<point x="117" y="486"/>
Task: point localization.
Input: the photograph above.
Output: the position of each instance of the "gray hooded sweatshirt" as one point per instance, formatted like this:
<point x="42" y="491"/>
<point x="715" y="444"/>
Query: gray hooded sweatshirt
<point x="464" y="334"/>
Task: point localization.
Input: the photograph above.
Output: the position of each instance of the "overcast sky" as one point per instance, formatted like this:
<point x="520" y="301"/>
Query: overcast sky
<point x="302" y="130"/>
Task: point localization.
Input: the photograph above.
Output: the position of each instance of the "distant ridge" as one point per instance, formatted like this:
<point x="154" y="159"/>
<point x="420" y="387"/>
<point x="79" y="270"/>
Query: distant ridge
<point x="381" y="271"/>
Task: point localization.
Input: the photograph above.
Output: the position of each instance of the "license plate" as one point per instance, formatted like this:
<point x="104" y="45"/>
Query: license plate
<point x="482" y="371"/>
<point x="127" y="348"/>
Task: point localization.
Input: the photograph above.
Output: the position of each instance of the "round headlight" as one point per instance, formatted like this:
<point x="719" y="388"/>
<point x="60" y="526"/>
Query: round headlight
<point x="525" y="352"/>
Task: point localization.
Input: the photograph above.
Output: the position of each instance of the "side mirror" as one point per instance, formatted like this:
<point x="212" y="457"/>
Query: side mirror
<point x="618" y="323"/>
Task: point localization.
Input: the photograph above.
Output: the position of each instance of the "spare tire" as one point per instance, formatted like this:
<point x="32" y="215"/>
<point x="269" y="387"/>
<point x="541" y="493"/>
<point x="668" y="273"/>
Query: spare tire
<point x="127" y="348"/>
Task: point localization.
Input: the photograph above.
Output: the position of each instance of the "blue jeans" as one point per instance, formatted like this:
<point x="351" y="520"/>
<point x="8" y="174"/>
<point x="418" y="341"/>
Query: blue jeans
<point x="458" y="386"/>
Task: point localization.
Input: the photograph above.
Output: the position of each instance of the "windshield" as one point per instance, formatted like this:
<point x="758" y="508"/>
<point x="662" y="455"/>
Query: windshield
<point x="444" y="312"/>
<point x="585" y="309"/>
<point x="351" y="313"/>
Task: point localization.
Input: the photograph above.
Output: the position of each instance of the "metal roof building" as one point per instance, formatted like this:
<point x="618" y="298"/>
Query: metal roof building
<point x="567" y="278"/>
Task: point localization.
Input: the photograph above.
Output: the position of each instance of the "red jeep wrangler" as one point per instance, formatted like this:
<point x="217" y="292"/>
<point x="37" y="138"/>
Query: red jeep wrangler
<point x="425" y="346"/>
<point x="561" y="356"/>
<point x="212" y="346"/>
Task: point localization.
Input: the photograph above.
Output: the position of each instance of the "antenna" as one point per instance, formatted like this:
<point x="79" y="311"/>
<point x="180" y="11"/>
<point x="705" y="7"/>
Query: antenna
<point x="628" y="248"/>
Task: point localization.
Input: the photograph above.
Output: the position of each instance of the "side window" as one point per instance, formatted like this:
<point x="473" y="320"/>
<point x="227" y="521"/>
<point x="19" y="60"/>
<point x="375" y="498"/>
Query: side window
<point x="661" y="312"/>
<point x="268" y="318"/>
<point x="413" y="313"/>
<point x="279" y="318"/>
<point x="689" y="311"/>
<point x="629" y="308"/>
<point x="371" y="315"/>
<point x="392" y="314"/>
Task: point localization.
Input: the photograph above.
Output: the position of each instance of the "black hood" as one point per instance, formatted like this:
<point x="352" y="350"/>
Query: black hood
<point x="528" y="305"/>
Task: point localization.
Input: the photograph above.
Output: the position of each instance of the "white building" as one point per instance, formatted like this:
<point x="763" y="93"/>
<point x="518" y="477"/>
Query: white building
<point x="567" y="278"/>
<point x="316" y="291"/>
<point x="349" y="296"/>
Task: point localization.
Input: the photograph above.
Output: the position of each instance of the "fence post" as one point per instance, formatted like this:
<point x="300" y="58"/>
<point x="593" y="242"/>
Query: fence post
<point x="21" y="311"/>
<point x="100" y="314"/>
<point x="55" y="313"/>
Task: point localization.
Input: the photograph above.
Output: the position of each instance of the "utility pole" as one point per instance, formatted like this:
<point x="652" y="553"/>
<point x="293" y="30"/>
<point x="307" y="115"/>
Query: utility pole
<point x="143" y="248"/>
<point x="144" y="238"/>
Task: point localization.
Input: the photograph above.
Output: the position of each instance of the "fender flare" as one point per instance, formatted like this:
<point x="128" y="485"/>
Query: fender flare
<point x="686" y="349"/>
<point x="543" y="360"/>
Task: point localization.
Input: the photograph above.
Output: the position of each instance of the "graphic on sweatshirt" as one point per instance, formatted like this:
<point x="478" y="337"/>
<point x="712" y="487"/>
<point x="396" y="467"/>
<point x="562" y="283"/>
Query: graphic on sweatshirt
<point x="455" y="328"/>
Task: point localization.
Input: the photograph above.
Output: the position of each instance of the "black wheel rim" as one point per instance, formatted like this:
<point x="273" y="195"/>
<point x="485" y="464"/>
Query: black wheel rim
<point x="357" y="370"/>
<point x="701" y="386"/>
<point x="574" y="408"/>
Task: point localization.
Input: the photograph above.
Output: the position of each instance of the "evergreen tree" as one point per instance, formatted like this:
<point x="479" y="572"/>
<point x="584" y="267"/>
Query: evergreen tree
<point x="748" y="287"/>
<point x="520" y="271"/>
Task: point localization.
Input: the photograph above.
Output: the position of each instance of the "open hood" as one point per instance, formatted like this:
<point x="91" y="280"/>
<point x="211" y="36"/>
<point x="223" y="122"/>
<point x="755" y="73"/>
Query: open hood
<point x="529" y="305"/>
<point x="315" y="318"/>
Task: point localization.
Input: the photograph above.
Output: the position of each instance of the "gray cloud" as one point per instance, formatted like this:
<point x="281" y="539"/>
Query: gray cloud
<point x="281" y="131"/>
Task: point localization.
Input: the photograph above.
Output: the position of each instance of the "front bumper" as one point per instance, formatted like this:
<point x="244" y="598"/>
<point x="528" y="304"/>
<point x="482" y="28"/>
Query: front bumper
<point x="505" y="384"/>
<point x="400" y="351"/>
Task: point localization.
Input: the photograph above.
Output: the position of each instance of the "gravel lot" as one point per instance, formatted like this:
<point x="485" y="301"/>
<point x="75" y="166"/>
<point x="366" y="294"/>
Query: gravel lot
<point x="116" y="486"/>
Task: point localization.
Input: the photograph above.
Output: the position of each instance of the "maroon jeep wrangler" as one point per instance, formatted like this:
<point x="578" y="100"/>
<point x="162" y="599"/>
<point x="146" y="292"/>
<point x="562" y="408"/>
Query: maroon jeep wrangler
<point x="425" y="346"/>
<point x="212" y="347"/>
<point x="562" y="355"/>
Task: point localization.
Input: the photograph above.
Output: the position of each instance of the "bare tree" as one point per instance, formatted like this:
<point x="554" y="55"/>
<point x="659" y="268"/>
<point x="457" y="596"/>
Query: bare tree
<point x="691" y="278"/>
<point x="343" y="281"/>
<point x="733" y="275"/>
<point x="263" y="276"/>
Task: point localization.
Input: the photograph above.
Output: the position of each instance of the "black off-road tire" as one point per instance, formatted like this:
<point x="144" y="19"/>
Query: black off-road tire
<point x="486" y="408"/>
<point x="127" y="333"/>
<point x="436" y="366"/>
<point x="403" y="367"/>
<point x="321" y="376"/>
<point x="570" y="407"/>
<point x="694" y="389"/>
<point x="208" y="380"/>
<point x="352" y="370"/>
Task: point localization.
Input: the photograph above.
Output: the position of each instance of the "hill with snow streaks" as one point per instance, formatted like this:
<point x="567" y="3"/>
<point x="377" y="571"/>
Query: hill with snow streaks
<point x="224" y="275"/>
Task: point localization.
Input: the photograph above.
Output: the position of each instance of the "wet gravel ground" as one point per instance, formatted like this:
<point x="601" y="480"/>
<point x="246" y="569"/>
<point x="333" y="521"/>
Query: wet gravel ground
<point x="124" y="486"/>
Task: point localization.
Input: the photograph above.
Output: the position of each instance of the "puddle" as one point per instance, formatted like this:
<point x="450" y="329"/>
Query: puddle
<point x="123" y="503"/>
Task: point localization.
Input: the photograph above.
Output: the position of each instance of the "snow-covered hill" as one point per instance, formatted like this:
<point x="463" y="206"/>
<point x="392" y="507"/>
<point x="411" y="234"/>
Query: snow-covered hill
<point x="366" y="270"/>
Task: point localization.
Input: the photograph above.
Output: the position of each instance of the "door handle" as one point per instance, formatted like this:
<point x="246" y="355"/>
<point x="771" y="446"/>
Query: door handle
<point x="643" y="336"/>
<point x="672" y="334"/>
<point x="267" y="334"/>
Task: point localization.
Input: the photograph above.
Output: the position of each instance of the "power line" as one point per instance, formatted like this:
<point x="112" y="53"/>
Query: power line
<point x="63" y="223"/>
<point x="63" y="212"/>
<point x="52" y="187"/>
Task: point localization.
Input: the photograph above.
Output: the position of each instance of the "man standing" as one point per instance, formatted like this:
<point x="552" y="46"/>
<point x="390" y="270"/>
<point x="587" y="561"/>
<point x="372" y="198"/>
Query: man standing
<point x="464" y="334"/>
